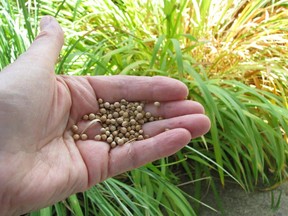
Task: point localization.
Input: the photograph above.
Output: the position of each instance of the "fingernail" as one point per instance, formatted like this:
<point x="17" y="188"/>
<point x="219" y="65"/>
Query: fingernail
<point x="45" y="21"/>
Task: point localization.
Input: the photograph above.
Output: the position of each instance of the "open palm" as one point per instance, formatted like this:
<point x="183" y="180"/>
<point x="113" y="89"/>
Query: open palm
<point x="40" y="163"/>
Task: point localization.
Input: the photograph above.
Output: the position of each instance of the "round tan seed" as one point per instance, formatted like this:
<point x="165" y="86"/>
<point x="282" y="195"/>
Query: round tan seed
<point x="120" y="120"/>
<point x="102" y="130"/>
<point x="148" y="114"/>
<point x="123" y="130"/>
<point x="115" y="114"/>
<point x="100" y="100"/>
<point x="97" y="137"/>
<point x="113" y="121"/>
<point x="103" y="137"/>
<point x="76" y="136"/>
<point x="117" y="104"/>
<point x="107" y="105"/>
<point x="125" y="124"/>
<point x="115" y="133"/>
<point x="92" y="116"/>
<point x="113" y="144"/>
<point x="103" y="118"/>
<point x="120" y="142"/>
<point x="103" y="111"/>
<point x="139" y="116"/>
<point x="140" y="137"/>
<point x="139" y="108"/>
<point x="109" y="140"/>
<point x="157" y="104"/>
<point x="132" y="121"/>
<point x="125" y="114"/>
<point x="112" y="128"/>
<point x="85" y="117"/>
<point x="74" y="128"/>
<point x="138" y="127"/>
<point x="84" y="136"/>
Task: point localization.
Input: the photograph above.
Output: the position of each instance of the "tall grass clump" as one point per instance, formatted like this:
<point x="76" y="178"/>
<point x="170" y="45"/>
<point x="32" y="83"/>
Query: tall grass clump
<point x="231" y="54"/>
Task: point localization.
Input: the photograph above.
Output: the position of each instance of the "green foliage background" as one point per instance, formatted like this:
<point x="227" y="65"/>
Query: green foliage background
<point x="233" y="57"/>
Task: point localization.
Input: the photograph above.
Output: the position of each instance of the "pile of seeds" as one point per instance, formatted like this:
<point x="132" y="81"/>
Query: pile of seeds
<point x="121" y="122"/>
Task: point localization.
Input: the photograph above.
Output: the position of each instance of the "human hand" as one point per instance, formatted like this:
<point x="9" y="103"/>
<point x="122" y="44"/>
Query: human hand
<point x="40" y="163"/>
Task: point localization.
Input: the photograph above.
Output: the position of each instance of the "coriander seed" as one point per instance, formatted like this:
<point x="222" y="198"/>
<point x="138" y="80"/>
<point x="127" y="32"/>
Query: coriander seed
<point x="84" y="136"/>
<point x="109" y="139"/>
<point x="113" y="144"/>
<point x="76" y="136"/>
<point x="74" y="128"/>
<point x="157" y="104"/>
<point x="92" y="116"/>
<point x="97" y="137"/>
<point x="120" y="142"/>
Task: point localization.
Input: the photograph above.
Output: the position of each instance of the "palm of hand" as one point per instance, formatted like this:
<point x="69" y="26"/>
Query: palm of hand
<point x="40" y="163"/>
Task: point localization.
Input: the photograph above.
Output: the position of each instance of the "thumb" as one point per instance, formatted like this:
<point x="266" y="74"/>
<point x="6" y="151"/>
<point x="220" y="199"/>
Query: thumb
<point x="47" y="45"/>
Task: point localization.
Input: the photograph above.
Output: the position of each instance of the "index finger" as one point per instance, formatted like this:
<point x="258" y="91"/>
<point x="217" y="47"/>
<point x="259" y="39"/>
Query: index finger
<point x="138" y="88"/>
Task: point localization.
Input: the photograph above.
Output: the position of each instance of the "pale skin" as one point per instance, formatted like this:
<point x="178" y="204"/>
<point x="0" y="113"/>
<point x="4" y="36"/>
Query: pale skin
<point x="40" y="163"/>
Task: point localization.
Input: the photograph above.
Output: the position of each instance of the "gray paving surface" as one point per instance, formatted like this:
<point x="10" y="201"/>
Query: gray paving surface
<point x="237" y="202"/>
